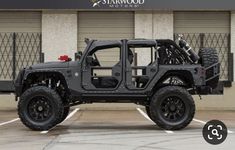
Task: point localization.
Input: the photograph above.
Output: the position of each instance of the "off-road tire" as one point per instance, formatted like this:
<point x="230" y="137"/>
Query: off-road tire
<point x="148" y="112"/>
<point x="208" y="57"/>
<point x="161" y="96"/>
<point x="65" y="114"/>
<point x="50" y="97"/>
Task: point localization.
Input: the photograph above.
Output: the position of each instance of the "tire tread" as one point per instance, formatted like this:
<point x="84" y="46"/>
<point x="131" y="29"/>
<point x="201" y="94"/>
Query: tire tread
<point x="167" y="89"/>
<point x="58" y="102"/>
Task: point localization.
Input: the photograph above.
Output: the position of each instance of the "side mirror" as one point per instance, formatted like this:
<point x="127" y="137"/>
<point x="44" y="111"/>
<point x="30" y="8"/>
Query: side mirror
<point x="78" y="55"/>
<point x="89" y="59"/>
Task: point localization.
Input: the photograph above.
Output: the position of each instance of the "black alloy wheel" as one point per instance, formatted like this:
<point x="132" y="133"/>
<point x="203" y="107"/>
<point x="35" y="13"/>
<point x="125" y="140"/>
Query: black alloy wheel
<point x="40" y="108"/>
<point x="172" y="108"/>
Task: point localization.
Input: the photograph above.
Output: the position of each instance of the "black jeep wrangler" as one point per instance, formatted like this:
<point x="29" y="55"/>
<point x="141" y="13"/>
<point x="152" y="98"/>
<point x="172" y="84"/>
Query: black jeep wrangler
<point x="158" y="74"/>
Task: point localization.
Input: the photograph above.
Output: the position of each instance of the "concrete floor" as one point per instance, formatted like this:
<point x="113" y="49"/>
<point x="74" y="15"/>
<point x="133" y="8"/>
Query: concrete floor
<point x="110" y="130"/>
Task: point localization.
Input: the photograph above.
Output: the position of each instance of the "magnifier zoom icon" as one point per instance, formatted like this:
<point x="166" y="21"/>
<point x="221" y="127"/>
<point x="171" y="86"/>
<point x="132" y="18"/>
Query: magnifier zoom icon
<point x="215" y="132"/>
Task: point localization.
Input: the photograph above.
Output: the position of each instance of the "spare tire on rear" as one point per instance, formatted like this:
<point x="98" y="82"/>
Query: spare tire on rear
<point x="208" y="57"/>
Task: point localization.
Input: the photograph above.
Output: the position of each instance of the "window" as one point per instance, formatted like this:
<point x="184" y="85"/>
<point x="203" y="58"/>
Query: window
<point x="140" y="58"/>
<point x="107" y="57"/>
<point x="104" y="62"/>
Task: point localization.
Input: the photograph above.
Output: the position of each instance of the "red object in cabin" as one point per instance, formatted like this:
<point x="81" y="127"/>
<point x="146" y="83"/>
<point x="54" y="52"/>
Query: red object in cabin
<point x="64" y="58"/>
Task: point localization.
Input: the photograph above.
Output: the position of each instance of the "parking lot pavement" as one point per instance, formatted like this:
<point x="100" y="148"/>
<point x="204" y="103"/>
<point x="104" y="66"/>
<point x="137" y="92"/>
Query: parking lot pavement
<point x="111" y="130"/>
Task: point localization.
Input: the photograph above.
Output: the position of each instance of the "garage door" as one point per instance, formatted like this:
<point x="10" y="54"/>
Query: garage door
<point x="20" y="22"/>
<point x="105" y="26"/>
<point x="20" y="40"/>
<point x="206" y="29"/>
<point x="202" y="22"/>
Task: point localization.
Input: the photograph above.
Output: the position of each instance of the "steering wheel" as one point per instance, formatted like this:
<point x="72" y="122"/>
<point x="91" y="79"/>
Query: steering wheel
<point x="96" y="61"/>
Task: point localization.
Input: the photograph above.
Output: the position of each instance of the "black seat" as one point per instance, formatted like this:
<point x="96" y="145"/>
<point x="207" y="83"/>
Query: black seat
<point x="162" y="55"/>
<point x="142" y="81"/>
<point x="105" y="82"/>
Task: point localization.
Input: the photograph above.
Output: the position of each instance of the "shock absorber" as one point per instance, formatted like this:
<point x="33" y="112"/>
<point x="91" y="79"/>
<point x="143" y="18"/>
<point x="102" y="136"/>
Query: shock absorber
<point x="184" y="45"/>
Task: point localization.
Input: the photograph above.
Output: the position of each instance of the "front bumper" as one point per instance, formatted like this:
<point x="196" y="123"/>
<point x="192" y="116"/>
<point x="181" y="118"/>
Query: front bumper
<point x="18" y="83"/>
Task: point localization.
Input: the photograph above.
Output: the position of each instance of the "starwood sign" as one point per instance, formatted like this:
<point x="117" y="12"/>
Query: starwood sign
<point x="172" y="5"/>
<point x="118" y="3"/>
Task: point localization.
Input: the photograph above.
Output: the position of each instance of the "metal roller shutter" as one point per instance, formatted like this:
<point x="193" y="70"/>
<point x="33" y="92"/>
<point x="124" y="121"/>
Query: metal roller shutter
<point x="206" y="29"/>
<point x="20" y="22"/>
<point x="104" y="26"/>
<point x="202" y="22"/>
<point x="19" y="42"/>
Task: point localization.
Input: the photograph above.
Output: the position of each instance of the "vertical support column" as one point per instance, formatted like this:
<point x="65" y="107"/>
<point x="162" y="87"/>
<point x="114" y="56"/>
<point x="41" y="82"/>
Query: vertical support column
<point x="143" y="24"/>
<point x="232" y="43"/>
<point x="143" y="29"/>
<point x="152" y="25"/>
<point x="202" y="38"/>
<point x="163" y="25"/>
<point x="59" y="34"/>
<point x="14" y="56"/>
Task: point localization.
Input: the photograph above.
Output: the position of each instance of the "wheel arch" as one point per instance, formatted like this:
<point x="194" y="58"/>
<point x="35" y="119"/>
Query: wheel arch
<point x="39" y="75"/>
<point x="184" y="75"/>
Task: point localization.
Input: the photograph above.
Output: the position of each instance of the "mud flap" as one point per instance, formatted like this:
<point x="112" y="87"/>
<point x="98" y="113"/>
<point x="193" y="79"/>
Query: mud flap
<point x="219" y="90"/>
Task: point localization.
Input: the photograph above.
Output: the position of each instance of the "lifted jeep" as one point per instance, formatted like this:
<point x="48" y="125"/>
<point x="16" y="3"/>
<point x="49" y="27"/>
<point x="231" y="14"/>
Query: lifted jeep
<point x="163" y="82"/>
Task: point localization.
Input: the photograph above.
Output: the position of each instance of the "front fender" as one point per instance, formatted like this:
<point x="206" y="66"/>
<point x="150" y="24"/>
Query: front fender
<point x="18" y="83"/>
<point x="62" y="72"/>
<point x="21" y="80"/>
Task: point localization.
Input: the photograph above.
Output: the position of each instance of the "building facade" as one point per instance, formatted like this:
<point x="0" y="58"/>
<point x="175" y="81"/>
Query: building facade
<point x="42" y="31"/>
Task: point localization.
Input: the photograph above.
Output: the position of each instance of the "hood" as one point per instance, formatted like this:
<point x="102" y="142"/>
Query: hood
<point x="46" y="65"/>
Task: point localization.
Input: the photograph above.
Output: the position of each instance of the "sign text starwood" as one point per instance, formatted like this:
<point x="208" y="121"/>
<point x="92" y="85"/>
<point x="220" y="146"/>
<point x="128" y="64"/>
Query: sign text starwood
<point x="118" y="3"/>
<point x="174" y="5"/>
